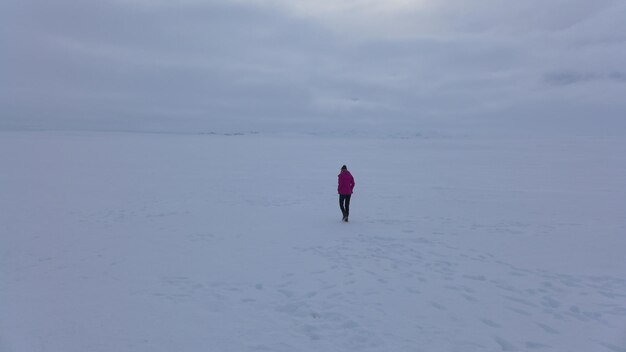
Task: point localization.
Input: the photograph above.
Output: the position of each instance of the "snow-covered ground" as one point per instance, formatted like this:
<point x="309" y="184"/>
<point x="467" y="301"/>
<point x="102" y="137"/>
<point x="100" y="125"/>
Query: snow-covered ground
<point x="181" y="242"/>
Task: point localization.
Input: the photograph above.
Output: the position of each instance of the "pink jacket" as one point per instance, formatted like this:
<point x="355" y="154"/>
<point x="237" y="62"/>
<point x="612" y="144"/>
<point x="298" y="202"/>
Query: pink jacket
<point x="346" y="182"/>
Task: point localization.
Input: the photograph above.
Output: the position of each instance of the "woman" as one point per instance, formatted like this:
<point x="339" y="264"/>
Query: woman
<point x="345" y="187"/>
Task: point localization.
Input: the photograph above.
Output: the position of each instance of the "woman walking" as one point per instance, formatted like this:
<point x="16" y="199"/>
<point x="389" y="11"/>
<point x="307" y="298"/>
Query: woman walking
<point x="345" y="188"/>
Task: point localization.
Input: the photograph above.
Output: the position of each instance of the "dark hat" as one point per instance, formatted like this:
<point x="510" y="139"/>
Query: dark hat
<point x="344" y="168"/>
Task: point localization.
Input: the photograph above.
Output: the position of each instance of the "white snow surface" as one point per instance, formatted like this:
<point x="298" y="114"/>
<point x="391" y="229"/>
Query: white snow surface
<point x="181" y="242"/>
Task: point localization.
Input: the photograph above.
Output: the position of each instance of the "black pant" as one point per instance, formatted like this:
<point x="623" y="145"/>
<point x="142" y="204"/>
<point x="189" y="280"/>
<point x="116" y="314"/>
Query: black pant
<point x="344" y="204"/>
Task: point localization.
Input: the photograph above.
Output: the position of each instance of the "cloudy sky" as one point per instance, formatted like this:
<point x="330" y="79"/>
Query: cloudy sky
<point x="212" y="64"/>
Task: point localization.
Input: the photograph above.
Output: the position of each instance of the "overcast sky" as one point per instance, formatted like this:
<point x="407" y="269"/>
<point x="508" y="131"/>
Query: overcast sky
<point x="202" y="65"/>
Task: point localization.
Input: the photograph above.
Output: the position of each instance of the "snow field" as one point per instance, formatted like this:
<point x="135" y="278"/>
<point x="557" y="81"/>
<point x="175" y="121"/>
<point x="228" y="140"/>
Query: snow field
<point x="164" y="242"/>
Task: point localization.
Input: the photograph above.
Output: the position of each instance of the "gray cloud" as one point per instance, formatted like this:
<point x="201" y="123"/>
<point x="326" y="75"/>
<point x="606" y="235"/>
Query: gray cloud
<point x="201" y="65"/>
<point x="618" y="76"/>
<point x="567" y="77"/>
